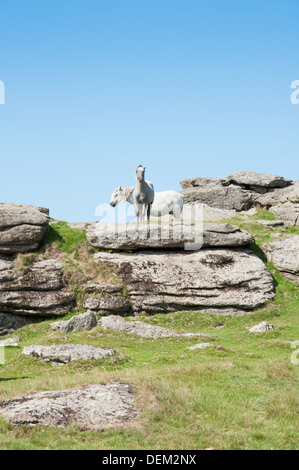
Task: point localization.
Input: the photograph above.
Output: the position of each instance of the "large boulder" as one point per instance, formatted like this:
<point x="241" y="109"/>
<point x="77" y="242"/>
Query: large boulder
<point x="229" y="197"/>
<point x="38" y="291"/>
<point x="214" y="280"/>
<point x="84" y="321"/>
<point x="90" y="406"/>
<point x="287" y="212"/>
<point x="284" y="254"/>
<point x="22" y="227"/>
<point x="240" y="191"/>
<point x="280" y="195"/>
<point x="176" y="235"/>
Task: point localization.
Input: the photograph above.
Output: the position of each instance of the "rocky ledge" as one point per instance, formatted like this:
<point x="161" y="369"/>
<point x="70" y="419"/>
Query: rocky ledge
<point x="244" y="190"/>
<point x="186" y="265"/>
<point x="39" y="291"/>
<point x="176" y="235"/>
<point x="224" y="281"/>
<point x="22" y="227"/>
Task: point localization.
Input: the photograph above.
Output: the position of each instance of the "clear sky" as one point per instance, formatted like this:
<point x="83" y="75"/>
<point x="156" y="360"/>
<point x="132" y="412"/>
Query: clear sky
<point x="186" y="87"/>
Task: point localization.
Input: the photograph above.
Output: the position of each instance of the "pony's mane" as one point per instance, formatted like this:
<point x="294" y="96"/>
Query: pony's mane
<point x="126" y="192"/>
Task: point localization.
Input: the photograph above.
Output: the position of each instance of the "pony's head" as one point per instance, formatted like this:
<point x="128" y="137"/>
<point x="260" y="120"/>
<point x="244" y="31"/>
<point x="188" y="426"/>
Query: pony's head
<point x="139" y="172"/>
<point x="115" y="197"/>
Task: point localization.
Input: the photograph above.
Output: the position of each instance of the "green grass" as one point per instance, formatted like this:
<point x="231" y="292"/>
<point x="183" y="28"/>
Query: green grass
<point x="262" y="214"/>
<point x="69" y="240"/>
<point x="240" y="393"/>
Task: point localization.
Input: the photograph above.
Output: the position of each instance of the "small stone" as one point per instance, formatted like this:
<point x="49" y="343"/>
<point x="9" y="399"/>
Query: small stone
<point x="200" y="346"/>
<point x="227" y="365"/>
<point x="261" y="327"/>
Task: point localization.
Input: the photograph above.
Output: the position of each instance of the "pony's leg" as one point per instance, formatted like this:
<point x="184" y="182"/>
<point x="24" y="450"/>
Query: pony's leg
<point x="143" y="212"/>
<point x="149" y="212"/>
<point x="177" y="212"/>
<point x="138" y="212"/>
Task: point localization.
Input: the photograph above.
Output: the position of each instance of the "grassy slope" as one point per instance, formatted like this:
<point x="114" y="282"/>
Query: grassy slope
<point x="241" y="393"/>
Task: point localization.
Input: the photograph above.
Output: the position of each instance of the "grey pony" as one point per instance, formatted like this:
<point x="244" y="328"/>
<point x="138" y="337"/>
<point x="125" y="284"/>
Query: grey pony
<point x="143" y="195"/>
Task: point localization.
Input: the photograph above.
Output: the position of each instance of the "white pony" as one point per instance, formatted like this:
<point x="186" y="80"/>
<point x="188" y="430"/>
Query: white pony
<point x="165" y="202"/>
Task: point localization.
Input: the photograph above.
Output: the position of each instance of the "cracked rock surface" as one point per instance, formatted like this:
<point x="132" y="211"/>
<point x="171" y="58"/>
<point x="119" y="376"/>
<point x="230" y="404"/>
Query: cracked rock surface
<point x="64" y="353"/>
<point x="218" y="280"/>
<point x="40" y="291"/>
<point x="22" y="227"/>
<point x="91" y="406"/>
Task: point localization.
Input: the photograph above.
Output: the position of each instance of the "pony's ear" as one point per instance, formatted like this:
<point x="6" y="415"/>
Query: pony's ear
<point x="119" y="188"/>
<point x="144" y="167"/>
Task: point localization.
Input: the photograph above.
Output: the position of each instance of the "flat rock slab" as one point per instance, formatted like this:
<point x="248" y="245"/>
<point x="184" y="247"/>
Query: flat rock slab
<point x="216" y="279"/>
<point x="117" y="323"/>
<point x="176" y="235"/>
<point x="284" y="254"/>
<point x="22" y="227"/>
<point x="92" y="406"/>
<point x="251" y="178"/>
<point x="65" y="353"/>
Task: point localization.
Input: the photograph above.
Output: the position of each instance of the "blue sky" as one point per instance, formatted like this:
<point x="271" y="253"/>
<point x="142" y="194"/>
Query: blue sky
<point x="185" y="87"/>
